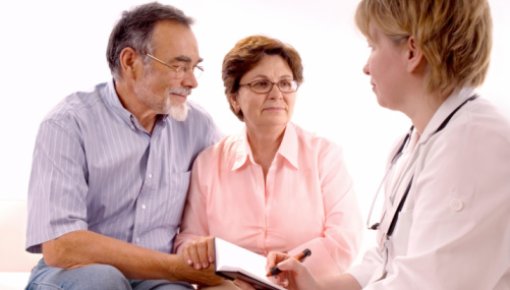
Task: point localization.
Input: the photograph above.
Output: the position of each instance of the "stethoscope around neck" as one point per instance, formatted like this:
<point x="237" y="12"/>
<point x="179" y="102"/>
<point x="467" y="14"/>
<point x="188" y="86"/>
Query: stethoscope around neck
<point x="396" y="156"/>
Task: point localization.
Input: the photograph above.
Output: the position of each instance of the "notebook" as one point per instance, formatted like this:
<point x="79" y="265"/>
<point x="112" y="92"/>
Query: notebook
<point x="235" y="262"/>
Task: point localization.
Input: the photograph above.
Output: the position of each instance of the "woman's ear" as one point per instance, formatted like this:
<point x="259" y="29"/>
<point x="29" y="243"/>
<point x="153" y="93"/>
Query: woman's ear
<point x="233" y="102"/>
<point x="414" y="55"/>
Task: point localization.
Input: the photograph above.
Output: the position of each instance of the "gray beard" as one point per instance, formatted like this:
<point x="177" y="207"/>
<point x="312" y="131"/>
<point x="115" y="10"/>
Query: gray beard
<point x="179" y="112"/>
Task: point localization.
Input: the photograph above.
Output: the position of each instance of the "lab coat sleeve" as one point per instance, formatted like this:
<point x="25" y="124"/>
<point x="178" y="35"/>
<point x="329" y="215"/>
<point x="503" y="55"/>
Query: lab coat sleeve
<point x="454" y="230"/>
<point x="334" y="251"/>
<point x="370" y="266"/>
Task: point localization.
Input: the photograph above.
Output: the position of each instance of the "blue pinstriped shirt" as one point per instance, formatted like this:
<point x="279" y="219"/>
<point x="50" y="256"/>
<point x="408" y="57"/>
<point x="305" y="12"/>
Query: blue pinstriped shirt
<point x="96" y="168"/>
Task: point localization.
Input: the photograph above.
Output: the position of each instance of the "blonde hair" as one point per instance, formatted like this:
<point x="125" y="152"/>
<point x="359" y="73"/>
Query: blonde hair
<point x="455" y="36"/>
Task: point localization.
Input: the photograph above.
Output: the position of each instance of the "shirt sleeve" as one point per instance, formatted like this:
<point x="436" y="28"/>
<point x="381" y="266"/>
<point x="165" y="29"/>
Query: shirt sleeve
<point x="458" y="234"/>
<point x="58" y="186"/>
<point x="370" y="266"/>
<point x="334" y="251"/>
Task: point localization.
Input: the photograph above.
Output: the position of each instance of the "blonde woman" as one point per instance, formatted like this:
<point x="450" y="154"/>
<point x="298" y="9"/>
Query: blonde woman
<point x="445" y="224"/>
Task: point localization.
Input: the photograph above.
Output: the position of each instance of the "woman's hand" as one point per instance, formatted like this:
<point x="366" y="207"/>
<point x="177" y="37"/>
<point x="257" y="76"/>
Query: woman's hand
<point x="199" y="253"/>
<point x="294" y="275"/>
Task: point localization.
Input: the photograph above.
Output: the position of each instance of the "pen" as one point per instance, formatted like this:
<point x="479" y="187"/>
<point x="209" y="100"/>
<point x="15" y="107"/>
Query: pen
<point x="300" y="257"/>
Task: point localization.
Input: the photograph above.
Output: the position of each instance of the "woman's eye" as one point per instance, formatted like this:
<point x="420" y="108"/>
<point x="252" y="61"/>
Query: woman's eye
<point x="285" y="84"/>
<point x="261" y="84"/>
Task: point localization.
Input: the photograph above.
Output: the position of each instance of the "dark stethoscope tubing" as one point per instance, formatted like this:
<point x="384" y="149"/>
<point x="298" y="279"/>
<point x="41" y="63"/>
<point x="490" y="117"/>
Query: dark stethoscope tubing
<point x="399" y="152"/>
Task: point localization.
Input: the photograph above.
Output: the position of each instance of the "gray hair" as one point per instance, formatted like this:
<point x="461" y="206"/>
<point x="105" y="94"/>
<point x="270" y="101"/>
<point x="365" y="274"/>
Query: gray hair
<point x="135" y="28"/>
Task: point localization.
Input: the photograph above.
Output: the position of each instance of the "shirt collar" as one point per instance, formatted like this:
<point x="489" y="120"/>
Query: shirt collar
<point x="448" y="106"/>
<point x="288" y="148"/>
<point x="113" y="101"/>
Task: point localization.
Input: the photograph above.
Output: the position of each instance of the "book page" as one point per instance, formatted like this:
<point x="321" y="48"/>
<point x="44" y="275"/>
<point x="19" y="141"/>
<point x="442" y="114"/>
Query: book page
<point x="233" y="261"/>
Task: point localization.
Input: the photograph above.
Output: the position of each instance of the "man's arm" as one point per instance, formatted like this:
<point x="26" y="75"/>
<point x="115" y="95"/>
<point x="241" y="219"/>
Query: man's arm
<point x="80" y="248"/>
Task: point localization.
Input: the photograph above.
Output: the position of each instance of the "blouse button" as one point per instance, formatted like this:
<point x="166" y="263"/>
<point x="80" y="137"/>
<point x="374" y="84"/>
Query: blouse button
<point x="456" y="204"/>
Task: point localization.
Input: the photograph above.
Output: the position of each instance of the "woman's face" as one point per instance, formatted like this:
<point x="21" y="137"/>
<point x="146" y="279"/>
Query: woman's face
<point x="271" y="109"/>
<point x="387" y="68"/>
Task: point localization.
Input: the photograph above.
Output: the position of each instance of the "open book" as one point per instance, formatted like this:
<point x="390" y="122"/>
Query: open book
<point x="234" y="262"/>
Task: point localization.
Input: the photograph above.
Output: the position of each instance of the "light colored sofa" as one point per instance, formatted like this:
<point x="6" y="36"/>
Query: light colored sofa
<point x="15" y="262"/>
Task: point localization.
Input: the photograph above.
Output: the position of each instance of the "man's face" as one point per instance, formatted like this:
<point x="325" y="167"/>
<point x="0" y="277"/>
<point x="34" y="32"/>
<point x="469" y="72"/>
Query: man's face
<point x="167" y="77"/>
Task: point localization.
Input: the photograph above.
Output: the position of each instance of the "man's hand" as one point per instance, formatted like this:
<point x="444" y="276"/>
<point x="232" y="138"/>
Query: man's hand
<point x="203" y="276"/>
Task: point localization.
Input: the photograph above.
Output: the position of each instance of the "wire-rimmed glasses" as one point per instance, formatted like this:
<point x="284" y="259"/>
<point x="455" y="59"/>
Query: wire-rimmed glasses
<point x="264" y="86"/>
<point x="179" y="69"/>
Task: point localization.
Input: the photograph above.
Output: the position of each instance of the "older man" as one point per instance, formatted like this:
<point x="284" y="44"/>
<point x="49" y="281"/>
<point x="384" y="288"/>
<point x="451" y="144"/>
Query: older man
<point x="111" y="166"/>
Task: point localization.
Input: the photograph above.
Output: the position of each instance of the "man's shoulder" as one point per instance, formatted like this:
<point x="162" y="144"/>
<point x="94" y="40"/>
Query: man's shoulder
<point x="198" y="112"/>
<point x="77" y="103"/>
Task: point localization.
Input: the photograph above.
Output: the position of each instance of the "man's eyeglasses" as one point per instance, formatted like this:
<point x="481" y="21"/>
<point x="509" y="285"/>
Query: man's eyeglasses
<point x="179" y="69"/>
<point x="264" y="86"/>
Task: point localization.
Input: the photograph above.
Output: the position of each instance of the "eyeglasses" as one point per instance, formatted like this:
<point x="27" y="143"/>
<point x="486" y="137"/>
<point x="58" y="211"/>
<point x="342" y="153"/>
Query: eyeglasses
<point x="180" y="69"/>
<point x="264" y="86"/>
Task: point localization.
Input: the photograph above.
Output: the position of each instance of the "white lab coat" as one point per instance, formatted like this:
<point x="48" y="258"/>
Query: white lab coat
<point x="454" y="229"/>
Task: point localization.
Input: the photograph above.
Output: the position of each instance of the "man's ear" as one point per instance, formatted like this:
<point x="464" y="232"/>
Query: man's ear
<point x="414" y="55"/>
<point x="128" y="63"/>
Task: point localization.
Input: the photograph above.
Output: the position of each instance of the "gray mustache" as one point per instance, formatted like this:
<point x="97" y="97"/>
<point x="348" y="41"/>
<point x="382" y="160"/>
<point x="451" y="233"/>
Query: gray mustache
<point x="180" y="91"/>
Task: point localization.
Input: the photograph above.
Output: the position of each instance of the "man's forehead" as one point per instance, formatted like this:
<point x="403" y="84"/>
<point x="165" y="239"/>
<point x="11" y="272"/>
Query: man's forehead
<point x="176" y="41"/>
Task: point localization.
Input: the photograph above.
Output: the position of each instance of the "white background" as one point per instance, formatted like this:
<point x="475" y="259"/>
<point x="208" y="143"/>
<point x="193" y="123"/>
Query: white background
<point x="51" y="48"/>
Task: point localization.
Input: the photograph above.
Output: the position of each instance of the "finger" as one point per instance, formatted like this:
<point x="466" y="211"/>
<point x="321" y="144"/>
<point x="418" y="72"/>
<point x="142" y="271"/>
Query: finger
<point x="184" y="253"/>
<point x="291" y="265"/>
<point x="192" y="252"/>
<point x="285" y="283"/>
<point x="273" y="258"/>
<point x="203" y="253"/>
<point x="211" y="250"/>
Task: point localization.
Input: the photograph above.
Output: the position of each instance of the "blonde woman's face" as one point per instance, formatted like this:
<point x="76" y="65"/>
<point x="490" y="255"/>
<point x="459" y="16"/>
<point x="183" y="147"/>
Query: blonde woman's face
<point x="386" y="66"/>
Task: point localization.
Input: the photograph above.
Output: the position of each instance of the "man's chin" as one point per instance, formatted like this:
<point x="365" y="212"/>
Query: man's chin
<point x="179" y="112"/>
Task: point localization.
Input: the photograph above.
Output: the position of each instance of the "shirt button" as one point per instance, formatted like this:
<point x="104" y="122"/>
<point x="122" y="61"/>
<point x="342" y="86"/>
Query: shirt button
<point x="149" y="176"/>
<point x="143" y="206"/>
<point x="456" y="204"/>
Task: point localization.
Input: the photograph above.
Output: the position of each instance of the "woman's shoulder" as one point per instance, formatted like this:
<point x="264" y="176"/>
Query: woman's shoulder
<point x="222" y="151"/>
<point x="312" y="140"/>
<point x="482" y="123"/>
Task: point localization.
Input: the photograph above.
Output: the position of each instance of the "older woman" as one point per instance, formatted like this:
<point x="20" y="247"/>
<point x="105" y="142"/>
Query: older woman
<point x="447" y="211"/>
<point x="274" y="186"/>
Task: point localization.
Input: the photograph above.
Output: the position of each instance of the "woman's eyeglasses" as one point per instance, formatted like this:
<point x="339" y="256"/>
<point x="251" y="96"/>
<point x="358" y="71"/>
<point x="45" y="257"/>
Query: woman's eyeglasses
<point x="264" y="86"/>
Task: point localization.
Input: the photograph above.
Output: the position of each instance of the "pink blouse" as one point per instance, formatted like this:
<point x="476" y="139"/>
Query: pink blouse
<point x="307" y="200"/>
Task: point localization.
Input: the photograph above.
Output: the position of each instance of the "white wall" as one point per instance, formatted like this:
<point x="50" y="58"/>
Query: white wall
<point x="52" y="48"/>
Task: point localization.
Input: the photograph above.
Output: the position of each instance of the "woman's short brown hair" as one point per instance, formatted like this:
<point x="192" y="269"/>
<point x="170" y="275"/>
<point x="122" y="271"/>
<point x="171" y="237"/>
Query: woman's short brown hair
<point x="455" y="36"/>
<point x="247" y="53"/>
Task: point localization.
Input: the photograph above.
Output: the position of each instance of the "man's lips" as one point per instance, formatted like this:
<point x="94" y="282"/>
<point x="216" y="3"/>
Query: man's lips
<point x="180" y="92"/>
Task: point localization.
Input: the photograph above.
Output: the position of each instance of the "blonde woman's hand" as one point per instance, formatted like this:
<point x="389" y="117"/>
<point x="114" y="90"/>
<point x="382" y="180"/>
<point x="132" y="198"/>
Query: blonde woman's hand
<point x="294" y="275"/>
